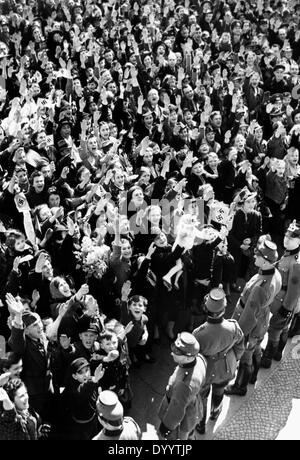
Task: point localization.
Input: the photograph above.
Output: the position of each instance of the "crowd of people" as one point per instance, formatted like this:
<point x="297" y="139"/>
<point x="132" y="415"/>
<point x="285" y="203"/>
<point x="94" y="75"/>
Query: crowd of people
<point x="149" y="166"/>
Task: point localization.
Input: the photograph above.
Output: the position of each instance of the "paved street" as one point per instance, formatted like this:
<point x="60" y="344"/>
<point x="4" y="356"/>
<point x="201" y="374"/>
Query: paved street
<point x="271" y="410"/>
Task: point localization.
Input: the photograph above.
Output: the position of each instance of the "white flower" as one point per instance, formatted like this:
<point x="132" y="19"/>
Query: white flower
<point x="87" y="244"/>
<point x="90" y="258"/>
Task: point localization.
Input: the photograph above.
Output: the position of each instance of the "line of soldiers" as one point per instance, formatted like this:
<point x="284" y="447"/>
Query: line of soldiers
<point x="208" y="358"/>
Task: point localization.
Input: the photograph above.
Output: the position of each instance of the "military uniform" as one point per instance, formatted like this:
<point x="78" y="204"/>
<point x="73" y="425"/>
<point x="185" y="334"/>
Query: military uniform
<point x="222" y="344"/>
<point x="130" y="431"/>
<point x="111" y="415"/>
<point x="181" y="407"/>
<point x="253" y="313"/>
<point x="285" y="303"/>
<point x="252" y="310"/>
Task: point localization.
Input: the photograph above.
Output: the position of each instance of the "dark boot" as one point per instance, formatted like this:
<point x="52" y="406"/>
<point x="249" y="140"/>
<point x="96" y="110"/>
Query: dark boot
<point x="268" y="355"/>
<point x="282" y="343"/>
<point x="200" y="428"/>
<point x="295" y="326"/>
<point x="256" y="365"/>
<point x="239" y="387"/>
<point x="216" y="406"/>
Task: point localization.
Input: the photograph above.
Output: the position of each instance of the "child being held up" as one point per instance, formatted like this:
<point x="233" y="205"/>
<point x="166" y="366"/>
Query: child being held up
<point x="116" y="376"/>
<point x="132" y="314"/>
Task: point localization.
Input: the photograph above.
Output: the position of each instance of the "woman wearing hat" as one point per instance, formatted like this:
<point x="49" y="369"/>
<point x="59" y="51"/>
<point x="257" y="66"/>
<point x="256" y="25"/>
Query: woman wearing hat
<point x="196" y="177"/>
<point x="246" y="229"/>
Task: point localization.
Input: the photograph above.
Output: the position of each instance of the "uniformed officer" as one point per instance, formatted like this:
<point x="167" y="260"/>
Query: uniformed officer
<point x="285" y="302"/>
<point x="253" y="312"/>
<point x="222" y="344"/>
<point x="111" y="416"/>
<point x="181" y="408"/>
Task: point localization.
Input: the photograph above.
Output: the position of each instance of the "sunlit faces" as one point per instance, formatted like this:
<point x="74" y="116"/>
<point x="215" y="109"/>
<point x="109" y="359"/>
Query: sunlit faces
<point x="20" y="244"/>
<point x="20" y="156"/>
<point x="119" y="178"/>
<point x="212" y="160"/>
<point x="88" y="339"/>
<point x="77" y="84"/>
<point x="297" y="119"/>
<point x="188" y="117"/>
<point x="104" y="131"/>
<point x="15" y="369"/>
<point x="65" y="130"/>
<point x="254" y="79"/>
<point x="210" y="136"/>
<point x="21" y="399"/>
<point x="41" y="138"/>
<point x="282" y="33"/>
<point x="44" y="213"/>
<point x="249" y="205"/>
<point x="293" y="156"/>
<point x="92" y="106"/>
<point x="54" y="200"/>
<point x="92" y="144"/>
<point x="216" y="120"/>
<point x="38" y="183"/>
<point x="126" y="249"/>
<point x="148" y="120"/>
<point x="113" y="131"/>
<point x="137" y="308"/>
<point x="279" y="74"/>
<point x="37" y="34"/>
<point x="172" y="60"/>
<point x="225" y="37"/>
<point x="109" y="345"/>
<point x="109" y="56"/>
<point x="154" y="215"/>
<point x="145" y="177"/>
<point x="188" y="92"/>
<point x="258" y="133"/>
<point x="179" y="58"/>
<point x="197" y="169"/>
<point x="112" y="87"/>
<point x="83" y="375"/>
<point x="239" y="142"/>
<point x="294" y="69"/>
<point x="22" y="176"/>
<point x="161" y="240"/>
<point x="124" y="226"/>
<point x="173" y="117"/>
<point x="280" y="168"/>
<point x="148" y="156"/>
<point x="91" y="307"/>
<point x="35" y="330"/>
<point x="64" y="288"/>
<point x="47" y="270"/>
<point x="153" y="96"/>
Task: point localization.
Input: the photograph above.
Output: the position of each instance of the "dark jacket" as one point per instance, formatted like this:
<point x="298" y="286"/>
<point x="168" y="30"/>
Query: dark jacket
<point x="36" y="372"/>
